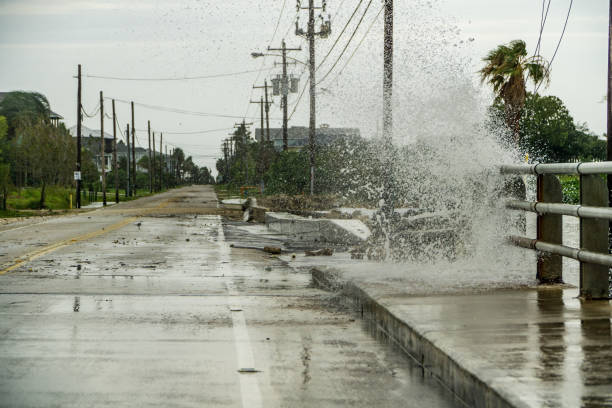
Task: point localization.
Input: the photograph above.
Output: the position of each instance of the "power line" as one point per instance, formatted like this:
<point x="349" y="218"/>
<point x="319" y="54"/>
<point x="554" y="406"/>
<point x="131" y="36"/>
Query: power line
<point x="360" y="42"/>
<point x="194" y="132"/>
<point x="185" y="78"/>
<point x="543" y="19"/>
<point x="348" y="42"/>
<point x="558" y="43"/>
<point x="182" y="111"/>
<point x="280" y="16"/>
<point x="97" y="109"/>
<point x="345" y="65"/>
<point x="562" y="33"/>
<point x="340" y="35"/>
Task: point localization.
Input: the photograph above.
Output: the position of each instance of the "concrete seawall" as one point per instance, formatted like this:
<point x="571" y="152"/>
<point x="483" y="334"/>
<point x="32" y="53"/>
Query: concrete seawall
<point x="496" y="349"/>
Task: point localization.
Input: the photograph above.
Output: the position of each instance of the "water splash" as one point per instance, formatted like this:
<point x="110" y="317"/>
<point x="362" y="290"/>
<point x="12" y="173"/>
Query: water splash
<point x="447" y="150"/>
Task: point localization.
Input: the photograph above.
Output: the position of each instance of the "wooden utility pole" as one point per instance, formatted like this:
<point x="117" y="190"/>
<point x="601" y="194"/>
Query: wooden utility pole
<point x="161" y="158"/>
<point x="285" y="90"/>
<point x="134" y="192"/>
<point x="129" y="166"/>
<point x="388" y="74"/>
<point x="242" y="128"/>
<point x="609" y="119"/>
<point x="115" y="167"/>
<point x="102" y="158"/>
<point x="267" y="109"/>
<point x="79" y="121"/>
<point x="150" y="163"/>
<point x="311" y="34"/>
<point x="388" y="188"/>
<point x="153" y="164"/>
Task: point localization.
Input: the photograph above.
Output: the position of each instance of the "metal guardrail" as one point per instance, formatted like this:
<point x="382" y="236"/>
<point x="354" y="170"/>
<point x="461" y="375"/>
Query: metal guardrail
<point x="569" y="252"/>
<point x="581" y="211"/>
<point x="594" y="214"/>
<point x="559" y="168"/>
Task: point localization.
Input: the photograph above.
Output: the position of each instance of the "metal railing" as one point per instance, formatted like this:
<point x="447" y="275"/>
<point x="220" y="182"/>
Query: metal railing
<point x="594" y="215"/>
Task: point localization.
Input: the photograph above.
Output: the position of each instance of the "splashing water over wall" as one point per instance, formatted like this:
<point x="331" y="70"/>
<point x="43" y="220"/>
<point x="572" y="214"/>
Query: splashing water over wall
<point x="447" y="153"/>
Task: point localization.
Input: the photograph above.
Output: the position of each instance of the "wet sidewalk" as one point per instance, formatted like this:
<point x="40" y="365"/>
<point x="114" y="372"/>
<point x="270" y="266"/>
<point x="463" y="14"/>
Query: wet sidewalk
<point x="518" y="346"/>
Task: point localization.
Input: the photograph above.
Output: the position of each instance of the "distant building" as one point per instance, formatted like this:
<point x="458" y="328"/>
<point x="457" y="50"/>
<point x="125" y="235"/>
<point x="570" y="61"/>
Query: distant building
<point x="90" y="140"/>
<point x="54" y="117"/>
<point x="297" y="136"/>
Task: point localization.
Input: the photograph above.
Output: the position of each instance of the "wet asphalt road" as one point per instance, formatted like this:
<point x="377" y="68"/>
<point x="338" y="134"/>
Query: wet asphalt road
<point x="98" y="311"/>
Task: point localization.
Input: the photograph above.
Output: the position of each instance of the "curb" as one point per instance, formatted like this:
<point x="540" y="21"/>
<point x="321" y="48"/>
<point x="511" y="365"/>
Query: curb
<point x="467" y="387"/>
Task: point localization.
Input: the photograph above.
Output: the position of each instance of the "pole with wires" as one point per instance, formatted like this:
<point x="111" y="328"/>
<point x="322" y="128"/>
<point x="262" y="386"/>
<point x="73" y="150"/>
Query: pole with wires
<point x="79" y="122"/>
<point x="133" y="153"/>
<point x="115" y="167"/>
<point x="284" y="89"/>
<point x="102" y="158"/>
<point x="153" y="164"/>
<point x="161" y="158"/>
<point x="129" y="165"/>
<point x="609" y="119"/>
<point x="150" y="165"/>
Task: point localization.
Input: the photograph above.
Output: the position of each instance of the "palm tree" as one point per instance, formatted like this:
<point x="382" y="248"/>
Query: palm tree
<point x="507" y="69"/>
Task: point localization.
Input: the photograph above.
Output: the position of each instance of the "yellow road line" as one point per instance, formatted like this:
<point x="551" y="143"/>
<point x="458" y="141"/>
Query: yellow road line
<point x="50" y="248"/>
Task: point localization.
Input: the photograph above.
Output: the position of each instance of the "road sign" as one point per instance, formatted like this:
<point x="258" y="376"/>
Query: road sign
<point x="77" y="175"/>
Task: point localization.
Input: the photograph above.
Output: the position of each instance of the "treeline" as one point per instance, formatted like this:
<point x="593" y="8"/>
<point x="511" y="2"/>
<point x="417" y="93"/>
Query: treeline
<point x="353" y="168"/>
<point x="548" y="133"/>
<point x="36" y="151"/>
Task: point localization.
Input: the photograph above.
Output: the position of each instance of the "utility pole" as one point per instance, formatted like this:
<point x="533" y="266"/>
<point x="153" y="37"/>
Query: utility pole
<point x="388" y="209"/>
<point x="310" y="35"/>
<point x="115" y="167"/>
<point x="134" y="192"/>
<point x="129" y="166"/>
<point x="267" y="108"/>
<point x="388" y="74"/>
<point x="102" y="161"/>
<point x="609" y="119"/>
<point x="79" y="121"/>
<point x="226" y="178"/>
<point x="261" y="103"/>
<point x="164" y="168"/>
<point x="150" y="163"/>
<point x="285" y="90"/>
<point x="161" y="158"/>
<point x="153" y="165"/>
<point x="242" y="128"/>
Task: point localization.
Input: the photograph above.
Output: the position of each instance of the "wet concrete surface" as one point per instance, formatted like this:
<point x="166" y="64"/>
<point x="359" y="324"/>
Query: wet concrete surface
<point x="168" y="314"/>
<point x="534" y="347"/>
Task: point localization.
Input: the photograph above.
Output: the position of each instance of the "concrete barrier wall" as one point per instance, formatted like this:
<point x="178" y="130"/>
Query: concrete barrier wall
<point x="385" y="326"/>
<point x="350" y="232"/>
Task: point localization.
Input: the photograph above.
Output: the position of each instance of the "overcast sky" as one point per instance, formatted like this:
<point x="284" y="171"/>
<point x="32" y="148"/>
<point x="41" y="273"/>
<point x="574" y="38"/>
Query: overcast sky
<point x="42" y="41"/>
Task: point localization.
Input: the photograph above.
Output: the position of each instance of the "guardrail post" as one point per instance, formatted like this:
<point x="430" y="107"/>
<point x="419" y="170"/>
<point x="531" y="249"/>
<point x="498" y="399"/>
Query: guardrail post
<point x="594" y="282"/>
<point x="550" y="229"/>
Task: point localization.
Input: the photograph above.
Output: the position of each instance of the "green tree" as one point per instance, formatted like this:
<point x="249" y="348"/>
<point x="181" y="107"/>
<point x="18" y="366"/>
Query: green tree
<point x="51" y="151"/>
<point x="21" y="108"/>
<point x="548" y="132"/>
<point x="289" y="174"/>
<point x="508" y="68"/>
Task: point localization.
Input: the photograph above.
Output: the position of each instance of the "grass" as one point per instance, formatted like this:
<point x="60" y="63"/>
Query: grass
<point x="570" y="185"/>
<point x="17" y="213"/>
<point x="56" y="198"/>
